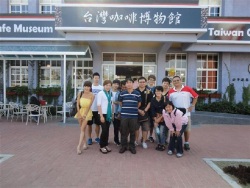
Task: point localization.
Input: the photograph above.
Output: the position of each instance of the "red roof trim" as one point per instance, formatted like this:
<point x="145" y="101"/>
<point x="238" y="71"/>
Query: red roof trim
<point x="229" y="19"/>
<point x="28" y="16"/>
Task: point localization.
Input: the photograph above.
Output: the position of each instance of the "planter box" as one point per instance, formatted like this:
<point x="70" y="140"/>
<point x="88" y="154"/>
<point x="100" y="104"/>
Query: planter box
<point x="215" y="95"/>
<point x="55" y="94"/>
<point x="203" y="95"/>
<point x="11" y="93"/>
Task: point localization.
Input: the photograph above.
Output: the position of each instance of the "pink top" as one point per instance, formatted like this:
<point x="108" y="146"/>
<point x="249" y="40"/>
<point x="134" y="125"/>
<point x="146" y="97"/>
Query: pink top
<point x="177" y="119"/>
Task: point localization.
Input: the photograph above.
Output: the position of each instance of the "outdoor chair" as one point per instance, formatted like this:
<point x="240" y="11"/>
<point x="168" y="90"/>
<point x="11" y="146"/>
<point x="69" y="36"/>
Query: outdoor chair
<point x="3" y="109"/>
<point x="16" y="110"/>
<point x="33" y="111"/>
<point x="69" y="107"/>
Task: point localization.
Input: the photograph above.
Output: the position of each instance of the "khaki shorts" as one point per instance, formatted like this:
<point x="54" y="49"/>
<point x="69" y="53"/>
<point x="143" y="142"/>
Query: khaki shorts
<point x="145" y="126"/>
<point x="189" y="124"/>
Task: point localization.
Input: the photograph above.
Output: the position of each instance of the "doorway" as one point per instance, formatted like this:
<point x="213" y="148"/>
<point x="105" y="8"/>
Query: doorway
<point x="124" y="71"/>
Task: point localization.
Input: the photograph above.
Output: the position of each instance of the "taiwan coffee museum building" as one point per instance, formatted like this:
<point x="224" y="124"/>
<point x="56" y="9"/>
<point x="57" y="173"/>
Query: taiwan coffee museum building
<point x="121" y="41"/>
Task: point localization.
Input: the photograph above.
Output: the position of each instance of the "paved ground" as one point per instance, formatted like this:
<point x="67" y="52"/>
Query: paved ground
<point x="45" y="156"/>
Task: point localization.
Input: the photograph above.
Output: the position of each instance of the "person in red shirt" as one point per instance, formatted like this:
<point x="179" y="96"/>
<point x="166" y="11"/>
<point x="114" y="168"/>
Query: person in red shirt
<point x="181" y="97"/>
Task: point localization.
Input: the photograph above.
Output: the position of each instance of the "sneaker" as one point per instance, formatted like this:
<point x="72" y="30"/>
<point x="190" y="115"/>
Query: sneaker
<point x="178" y="155"/>
<point x="158" y="147"/>
<point x="162" y="148"/>
<point x="186" y="147"/>
<point x="97" y="140"/>
<point x="144" y="145"/>
<point x="136" y="144"/>
<point x="132" y="150"/>
<point x="170" y="152"/>
<point x="90" y="141"/>
<point x="151" y="139"/>
<point x="117" y="143"/>
<point x="122" y="150"/>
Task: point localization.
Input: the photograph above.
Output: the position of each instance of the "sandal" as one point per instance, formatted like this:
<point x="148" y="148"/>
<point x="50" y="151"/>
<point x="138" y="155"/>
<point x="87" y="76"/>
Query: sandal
<point x="79" y="152"/>
<point x="108" y="149"/>
<point x="103" y="150"/>
<point x="84" y="147"/>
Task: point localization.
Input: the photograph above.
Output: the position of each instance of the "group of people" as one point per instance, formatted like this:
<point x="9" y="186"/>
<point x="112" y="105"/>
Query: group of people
<point x="133" y="107"/>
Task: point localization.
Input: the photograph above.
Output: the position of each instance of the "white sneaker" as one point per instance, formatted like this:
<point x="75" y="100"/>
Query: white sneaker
<point x="170" y="152"/>
<point x="178" y="155"/>
<point x="144" y="145"/>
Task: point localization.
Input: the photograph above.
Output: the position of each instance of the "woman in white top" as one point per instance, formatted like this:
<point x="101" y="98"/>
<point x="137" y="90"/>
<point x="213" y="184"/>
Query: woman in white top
<point x="104" y="105"/>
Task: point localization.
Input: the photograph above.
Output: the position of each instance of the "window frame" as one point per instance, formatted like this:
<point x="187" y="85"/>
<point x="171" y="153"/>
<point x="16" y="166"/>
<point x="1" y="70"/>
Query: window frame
<point x="51" y="68"/>
<point x="82" y="68"/>
<point x="207" y="69"/>
<point x="137" y="59"/>
<point x="51" y="4"/>
<point x="183" y="78"/>
<point x="21" y="66"/>
<point x="19" y="4"/>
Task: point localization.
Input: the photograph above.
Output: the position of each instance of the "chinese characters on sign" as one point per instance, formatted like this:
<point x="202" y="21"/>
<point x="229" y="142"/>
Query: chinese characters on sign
<point x="133" y="17"/>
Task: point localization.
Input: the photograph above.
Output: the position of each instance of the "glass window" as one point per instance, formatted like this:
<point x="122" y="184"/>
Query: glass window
<point x="213" y="6"/>
<point x="18" y="6"/>
<point x="50" y="73"/>
<point x="207" y="71"/>
<point x="176" y="64"/>
<point x="125" y="65"/>
<point x="48" y="6"/>
<point x="82" y="72"/>
<point x="18" y="73"/>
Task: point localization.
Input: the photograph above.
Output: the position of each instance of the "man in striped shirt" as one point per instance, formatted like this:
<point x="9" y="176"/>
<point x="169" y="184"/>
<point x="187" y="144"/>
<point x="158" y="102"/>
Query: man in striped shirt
<point x="130" y="101"/>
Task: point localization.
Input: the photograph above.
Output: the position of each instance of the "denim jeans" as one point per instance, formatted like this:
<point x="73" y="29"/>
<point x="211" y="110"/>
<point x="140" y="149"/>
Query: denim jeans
<point x="176" y="141"/>
<point x="161" y="138"/>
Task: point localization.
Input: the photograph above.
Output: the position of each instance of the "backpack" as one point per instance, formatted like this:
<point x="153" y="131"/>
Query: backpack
<point x="74" y="107"/>
<point x="181" y="109"/>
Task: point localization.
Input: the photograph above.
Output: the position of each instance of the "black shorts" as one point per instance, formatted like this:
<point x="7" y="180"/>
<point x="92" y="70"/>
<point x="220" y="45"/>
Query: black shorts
<point x="95" y="119"/>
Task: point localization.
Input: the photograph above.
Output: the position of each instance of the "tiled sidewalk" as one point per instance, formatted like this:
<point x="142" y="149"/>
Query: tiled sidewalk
<point x="45" y="156"/>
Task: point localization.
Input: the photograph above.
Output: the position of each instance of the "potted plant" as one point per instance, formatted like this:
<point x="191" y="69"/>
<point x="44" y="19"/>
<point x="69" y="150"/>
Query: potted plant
<point x="11" y="91"/>
<point x="55" y="91"/>
<point x="22" y="90"/>
<point x="202" y="93"/>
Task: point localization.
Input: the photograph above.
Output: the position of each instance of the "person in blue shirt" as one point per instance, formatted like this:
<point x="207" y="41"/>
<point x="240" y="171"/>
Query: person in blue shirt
<point x="130" y="101"/>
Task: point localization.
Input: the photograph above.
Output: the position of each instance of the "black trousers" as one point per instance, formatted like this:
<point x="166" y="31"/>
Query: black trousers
<point x="176" y="141"/>
<point x="116" y="124"/>
<point x="128" y="127"/>
<point x="105" y="132"/>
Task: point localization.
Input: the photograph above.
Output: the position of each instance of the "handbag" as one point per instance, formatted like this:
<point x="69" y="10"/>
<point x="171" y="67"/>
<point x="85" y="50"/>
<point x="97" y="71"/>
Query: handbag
<point x="74" y="106"/>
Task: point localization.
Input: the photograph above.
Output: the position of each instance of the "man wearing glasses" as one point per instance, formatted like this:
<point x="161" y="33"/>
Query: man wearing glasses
<point x="181" y="96"/>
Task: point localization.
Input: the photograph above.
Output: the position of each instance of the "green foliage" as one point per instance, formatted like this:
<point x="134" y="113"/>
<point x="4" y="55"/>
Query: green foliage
<point x="224" y="107"/>
<point x="246" y="95"/>
<point x="231" y="93"/>
<point x="47" y="91"/>
<point x="50" y="94"/>
<point x="22" y="90"/>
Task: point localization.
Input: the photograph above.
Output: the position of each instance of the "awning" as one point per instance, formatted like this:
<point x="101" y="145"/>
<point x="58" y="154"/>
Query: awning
<point x="45" y="52"/>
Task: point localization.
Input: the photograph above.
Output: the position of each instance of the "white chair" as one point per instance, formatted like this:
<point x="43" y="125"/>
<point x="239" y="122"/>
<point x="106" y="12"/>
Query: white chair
<point x="16" y="110"/>
<point x="3" y="109"/>
<point x="33" y="111"/>
<point x="60" y="110"/>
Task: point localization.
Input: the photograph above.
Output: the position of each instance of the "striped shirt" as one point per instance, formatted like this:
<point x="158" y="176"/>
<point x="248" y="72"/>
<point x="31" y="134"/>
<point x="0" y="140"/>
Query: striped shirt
<point x="129" y="104"/>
